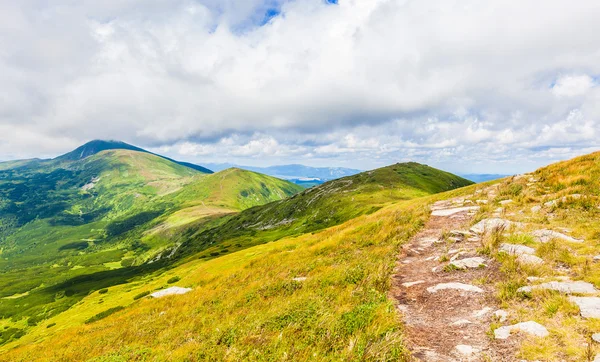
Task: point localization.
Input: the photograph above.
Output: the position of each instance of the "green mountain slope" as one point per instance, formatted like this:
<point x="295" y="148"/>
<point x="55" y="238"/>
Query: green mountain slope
<point x="65" y="219"/>
<point x="323" y="206"/>
<point x="304" y="297"/>
<point x="93" y="147"/>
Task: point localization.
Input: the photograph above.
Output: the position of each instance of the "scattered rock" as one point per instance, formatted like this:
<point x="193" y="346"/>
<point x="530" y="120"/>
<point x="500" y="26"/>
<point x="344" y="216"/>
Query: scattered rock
<point x="455" y="286"/>
<point x="545" y="235"/>
<point x="170" y="291"/>
<point x="515" y="249"/>
<point x="596" y="337"/>
<point x="578" y="287"/>
<point x="536" y="208"/>
<point x="472" y="263"/>
<point x="529" y="259"/>
<point x="456" y="210"/>
<point x="589" y="307"/>
<point x="487" y="225"/>
<point x="482" y="313"/>
<point x="460" y="323"/>
<point x="597" y="258"/>
<point x="533" y="279"/>
<point x="501" y="315"/>
<point x="410" y="284"/>
<point x="597" y="358"/>
<point x="530" y="327"/>
<point x="505" y="202"/>
<point x="299" y="279"/>
<point x="483" y="202"/>
<point x="466" y="350"/>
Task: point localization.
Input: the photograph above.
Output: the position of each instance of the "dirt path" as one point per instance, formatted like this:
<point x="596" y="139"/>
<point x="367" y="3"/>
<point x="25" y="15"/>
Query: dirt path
<point x="447" y="324"/>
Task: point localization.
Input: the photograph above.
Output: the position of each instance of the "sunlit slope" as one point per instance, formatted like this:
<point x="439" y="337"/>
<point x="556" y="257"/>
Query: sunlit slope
<point x="107" y="211"/>
<point x="319" y="296"/>
<point x="322" y="206"/>
<point x="236" y="189"/>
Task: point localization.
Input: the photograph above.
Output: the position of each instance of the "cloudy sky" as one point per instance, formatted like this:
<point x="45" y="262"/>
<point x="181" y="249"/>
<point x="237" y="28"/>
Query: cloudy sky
<point x="490" y="86"/>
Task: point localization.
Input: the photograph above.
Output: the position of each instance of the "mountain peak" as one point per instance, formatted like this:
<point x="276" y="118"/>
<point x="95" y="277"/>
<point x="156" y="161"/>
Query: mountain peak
<point x="96" y="146"/>
<point x="93" y="147"/>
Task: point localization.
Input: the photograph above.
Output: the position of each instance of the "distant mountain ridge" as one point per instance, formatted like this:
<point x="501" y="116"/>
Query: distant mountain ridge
<point x="93" y="147"/>
<point x="299" y="174"/>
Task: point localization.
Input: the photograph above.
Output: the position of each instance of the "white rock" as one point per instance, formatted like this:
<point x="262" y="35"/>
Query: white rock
<point x="482" y="312"/>
<point x="597" y="358"/>
<point x="410" y="284"/>
<point x="299" y="279"/>
<point x="455" y="286"/>
<point x="589" y="307"/>
<point x="515" y="249"/>
<point x="545" y="235"/>
<point x="501" y="315"/>
<point x="530" y="327"/>
<point x="578" y="287"/>
<point x="505" y="202"/>
<point x="550" y="203"/>
<point x="529" y="259"/>
<point x="536" y="208"/>
<point x="472" y="263"/>
<point x="597" y="258"/>
<point x="483" y="202"/>
<point x="596" y="337"/>
<point x="170" y="291"/>
<point x="487" y="225"/>
<point x="460" y="323"/>
<point x="456" y="210"/>
<point x="466" y="350"/>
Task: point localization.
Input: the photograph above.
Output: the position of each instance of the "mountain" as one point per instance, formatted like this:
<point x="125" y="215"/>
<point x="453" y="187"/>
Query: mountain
<point x="99" y="209"/>
<point x="339" y="233"/>
<point x="477" y="178"/>
<point x="93" y="147"/>
<point x="299" y="174"/>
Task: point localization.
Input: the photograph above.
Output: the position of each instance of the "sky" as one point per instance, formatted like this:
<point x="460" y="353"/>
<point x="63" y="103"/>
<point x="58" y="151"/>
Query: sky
<point x="496" y="86"/>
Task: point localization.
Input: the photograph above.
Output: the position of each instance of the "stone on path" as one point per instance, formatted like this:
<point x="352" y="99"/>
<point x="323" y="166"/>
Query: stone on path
<point x="410" y="284"/>
<point x="170" y="291"/>
<point x="515" y="249"/>
<point x="456" y="210"/>
<point x="578" y="287"/>
<point x="589" y="307"/>
<point x="461" y="322"/>
<point x="482" y="312"/>
<point x="466" y="350"/>
<point x="455" y="286"/>
<point x="501" y="315"/>
<point x="472" y="263"/>
<point x="530" y="327"/>
<point x="545" y="235"/>
<point x="529" y="259"/>
<point x="487" y="225"/>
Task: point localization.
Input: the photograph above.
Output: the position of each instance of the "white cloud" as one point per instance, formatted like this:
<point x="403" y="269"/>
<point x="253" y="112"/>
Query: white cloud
<point x="363" y="82"/>
<point x="572" y="85"/>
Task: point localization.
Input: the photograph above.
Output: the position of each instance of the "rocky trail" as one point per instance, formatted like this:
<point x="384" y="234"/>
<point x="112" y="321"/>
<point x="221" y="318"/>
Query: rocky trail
<point x="444" y="285"/>
<point x="442" y="288"/>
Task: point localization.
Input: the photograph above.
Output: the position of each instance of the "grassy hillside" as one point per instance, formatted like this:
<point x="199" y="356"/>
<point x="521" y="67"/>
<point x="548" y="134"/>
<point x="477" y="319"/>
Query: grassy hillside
<point x="319" y="296"/>
<point x="251" y="295"/>
<point x="65" y="224"/>
<point x="322" y="206"/>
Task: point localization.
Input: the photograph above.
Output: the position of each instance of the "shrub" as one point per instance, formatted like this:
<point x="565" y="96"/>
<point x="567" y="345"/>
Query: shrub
<point x="141" y="295"/>
<point x="104" y="314"/>
<point x="173" y="280"/>
<point x="103" y="291"/>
